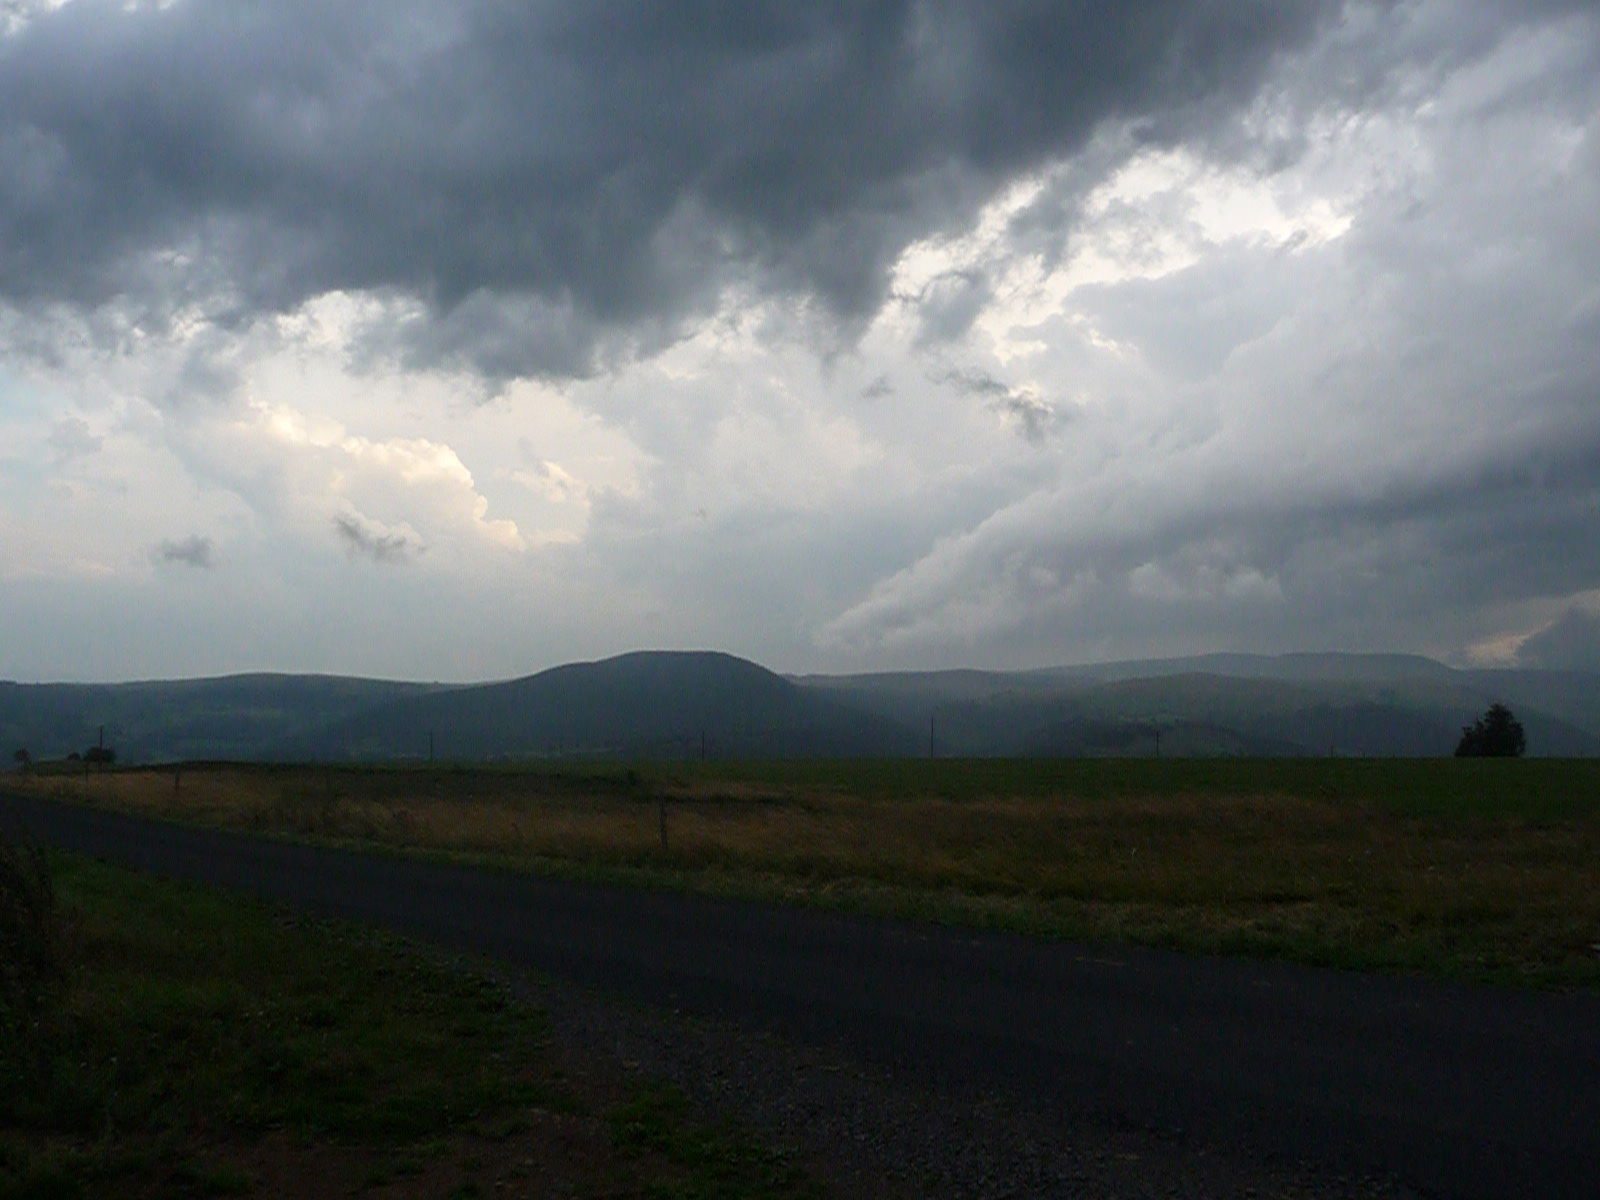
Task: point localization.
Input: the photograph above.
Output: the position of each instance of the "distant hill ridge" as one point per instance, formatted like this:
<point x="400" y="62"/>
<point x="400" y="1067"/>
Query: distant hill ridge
<point x="1301" y="703"/>
<point x="646" y="704"/>
<point x="682" y="704"/>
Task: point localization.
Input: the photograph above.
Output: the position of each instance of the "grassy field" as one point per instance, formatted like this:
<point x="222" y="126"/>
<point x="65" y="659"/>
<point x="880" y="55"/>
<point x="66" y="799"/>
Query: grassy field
<point x="1486" y="870"/>
<point x="197" y="1044"/>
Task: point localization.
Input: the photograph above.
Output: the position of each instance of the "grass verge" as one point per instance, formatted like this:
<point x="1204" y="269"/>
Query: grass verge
<point x="205" y="1045"/>
<point x="30" y="958"/>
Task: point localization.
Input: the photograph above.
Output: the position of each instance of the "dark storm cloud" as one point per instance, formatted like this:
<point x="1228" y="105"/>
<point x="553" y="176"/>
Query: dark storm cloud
<point x="364" y="540"/>
<point x="194" y="551"/>
<point x="554" y="180"/>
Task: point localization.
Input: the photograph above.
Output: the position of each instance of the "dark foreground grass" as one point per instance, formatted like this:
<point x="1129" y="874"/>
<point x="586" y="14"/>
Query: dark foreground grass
<point x="30" y="954"/>
<point x="1477" y="869"/>
<point x="206" y="1045"/>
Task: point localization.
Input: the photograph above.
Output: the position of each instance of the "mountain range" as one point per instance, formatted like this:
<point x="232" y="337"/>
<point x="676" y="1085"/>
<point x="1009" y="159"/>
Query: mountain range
<point x="690" y="704"/>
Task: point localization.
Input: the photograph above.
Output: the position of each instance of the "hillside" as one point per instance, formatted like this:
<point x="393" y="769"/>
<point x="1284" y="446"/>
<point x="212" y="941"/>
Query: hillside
<point x="1226" y="704"/>
<point x="649" y="704"/>
<point x="1200" y="714"/>
<point x="236" y="716"/>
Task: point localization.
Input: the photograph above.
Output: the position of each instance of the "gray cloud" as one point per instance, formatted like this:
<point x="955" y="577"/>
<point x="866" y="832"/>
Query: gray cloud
<point x="878" y="388"/>
<point x="70" y="438"/>
<point x="194" y="551"/>
<point x="1240" y="559"/>
<point x="1570" y="643"/>
<point x="363" y="538"/>
<point x="1035" y="417"/>
<point x="1379" y="442"/>
<point x="949" y="304"/>
<point x="557" y="183"/>
<point x="975" y="381"/>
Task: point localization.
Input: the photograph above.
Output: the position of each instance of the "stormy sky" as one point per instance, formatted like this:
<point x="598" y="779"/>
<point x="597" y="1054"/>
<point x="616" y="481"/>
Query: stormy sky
<point x="456" y="340"/>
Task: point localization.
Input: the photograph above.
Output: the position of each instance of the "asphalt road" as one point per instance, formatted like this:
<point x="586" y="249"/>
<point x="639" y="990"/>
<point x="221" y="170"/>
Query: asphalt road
<point x="1462" y="1092"/>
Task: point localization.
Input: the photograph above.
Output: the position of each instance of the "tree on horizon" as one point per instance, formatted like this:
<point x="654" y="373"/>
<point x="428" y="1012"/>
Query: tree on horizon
<point x="1496" y="734"/>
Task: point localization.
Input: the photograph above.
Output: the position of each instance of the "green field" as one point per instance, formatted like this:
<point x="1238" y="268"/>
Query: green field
<point x="1487" y="870"/>
<point x="1530" y="789"/>
<point x="197" y="1044"/>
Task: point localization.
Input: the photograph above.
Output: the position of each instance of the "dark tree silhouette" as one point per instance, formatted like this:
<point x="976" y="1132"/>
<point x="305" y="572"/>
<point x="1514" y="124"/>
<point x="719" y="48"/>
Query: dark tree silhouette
<point x="24" y="759"/>
<point x="1496" y="734"/>
<point x="101" y="755"/>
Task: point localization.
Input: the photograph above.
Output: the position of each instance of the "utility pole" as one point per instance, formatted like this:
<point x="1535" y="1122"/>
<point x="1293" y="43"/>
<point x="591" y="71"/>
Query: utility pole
<point x="933" y="732"/>
<point x="430" y="745"/>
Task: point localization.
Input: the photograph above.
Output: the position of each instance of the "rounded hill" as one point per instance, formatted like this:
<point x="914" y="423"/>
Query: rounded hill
<point x="645" y="704"/>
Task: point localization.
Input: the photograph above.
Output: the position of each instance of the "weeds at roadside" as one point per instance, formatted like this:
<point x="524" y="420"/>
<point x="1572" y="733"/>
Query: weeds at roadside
<point x="204" y="1045"/>
<point x="715" y="1164"/>
<point x="32" y="970"/>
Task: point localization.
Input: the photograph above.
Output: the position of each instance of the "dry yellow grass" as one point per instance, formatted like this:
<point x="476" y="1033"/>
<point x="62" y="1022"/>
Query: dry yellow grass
<point x="1321" y="876"/>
